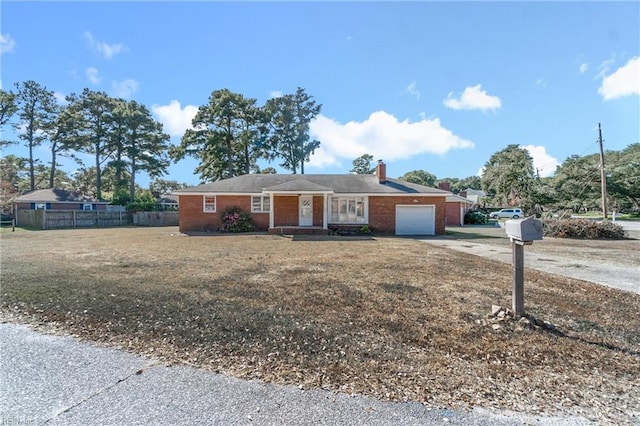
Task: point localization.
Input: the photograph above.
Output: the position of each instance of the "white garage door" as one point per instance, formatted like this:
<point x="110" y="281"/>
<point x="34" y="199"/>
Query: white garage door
<point x="415" y="220"/>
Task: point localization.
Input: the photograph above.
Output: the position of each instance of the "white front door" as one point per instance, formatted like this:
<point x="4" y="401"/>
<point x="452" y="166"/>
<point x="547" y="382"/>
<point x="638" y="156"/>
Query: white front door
<point x="306" y="211"/>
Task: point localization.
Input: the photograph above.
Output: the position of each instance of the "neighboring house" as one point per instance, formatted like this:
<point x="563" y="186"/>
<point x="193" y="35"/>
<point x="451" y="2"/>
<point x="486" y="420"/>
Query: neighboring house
<point x="457" y="206"/>
<point x="475" y="196"/>
<point x="57" y="199"/>
<point x="307" y="203"/>
<point x="167" y="202"/>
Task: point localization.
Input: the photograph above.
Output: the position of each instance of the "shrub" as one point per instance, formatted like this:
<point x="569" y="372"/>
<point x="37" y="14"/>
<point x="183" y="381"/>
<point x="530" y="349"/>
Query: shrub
<point x="475" y="217"/>
<point x="582" y="229"/>
<point x="234" y="219"/>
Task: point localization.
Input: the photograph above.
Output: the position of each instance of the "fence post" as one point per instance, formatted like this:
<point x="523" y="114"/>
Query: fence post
<point x="44" y="219"/>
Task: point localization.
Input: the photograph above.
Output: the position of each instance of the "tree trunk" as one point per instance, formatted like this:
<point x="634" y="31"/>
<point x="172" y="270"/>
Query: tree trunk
<point x="52" y="173"/>
<point x="132" y="184"/>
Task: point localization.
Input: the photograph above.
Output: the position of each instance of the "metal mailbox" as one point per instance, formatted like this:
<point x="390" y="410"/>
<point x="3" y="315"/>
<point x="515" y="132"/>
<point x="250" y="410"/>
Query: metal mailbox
<point x="524" y="229"/>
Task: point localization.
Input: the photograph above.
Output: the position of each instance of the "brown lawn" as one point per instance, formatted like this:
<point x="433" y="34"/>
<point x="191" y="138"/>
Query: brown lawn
<point x="389" y="317"/>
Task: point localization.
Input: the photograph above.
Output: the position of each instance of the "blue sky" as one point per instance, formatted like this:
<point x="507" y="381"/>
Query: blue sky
<point x="435" y="86"/>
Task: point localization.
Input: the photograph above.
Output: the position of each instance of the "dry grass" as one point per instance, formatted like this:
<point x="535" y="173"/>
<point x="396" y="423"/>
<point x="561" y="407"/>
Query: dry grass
<point x="389" y="317"/>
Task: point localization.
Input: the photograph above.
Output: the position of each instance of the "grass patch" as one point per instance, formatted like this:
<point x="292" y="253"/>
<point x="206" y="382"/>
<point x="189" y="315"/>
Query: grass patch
<point x="394" y="318"/>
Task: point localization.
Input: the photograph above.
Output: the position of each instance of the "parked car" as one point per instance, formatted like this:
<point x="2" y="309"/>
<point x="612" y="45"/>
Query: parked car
<point x="506" y="213"/>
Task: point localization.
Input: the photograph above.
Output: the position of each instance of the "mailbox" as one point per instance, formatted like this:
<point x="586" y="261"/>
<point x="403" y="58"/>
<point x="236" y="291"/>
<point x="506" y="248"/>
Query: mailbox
<point x="524" y="229"/>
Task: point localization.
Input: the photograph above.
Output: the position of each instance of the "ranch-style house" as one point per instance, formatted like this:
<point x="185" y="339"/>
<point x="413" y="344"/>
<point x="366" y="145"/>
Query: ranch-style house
<point x="317" y="203"/>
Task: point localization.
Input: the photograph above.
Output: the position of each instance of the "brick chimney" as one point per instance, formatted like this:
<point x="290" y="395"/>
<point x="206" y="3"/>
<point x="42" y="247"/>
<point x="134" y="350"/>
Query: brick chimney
<point x="445" y="186"/>
<point x="381" y="171"/>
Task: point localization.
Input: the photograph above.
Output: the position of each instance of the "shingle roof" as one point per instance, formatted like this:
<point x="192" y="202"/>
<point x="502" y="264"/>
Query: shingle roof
<point x="340" y="184"/>
<point x="54" y="195"/>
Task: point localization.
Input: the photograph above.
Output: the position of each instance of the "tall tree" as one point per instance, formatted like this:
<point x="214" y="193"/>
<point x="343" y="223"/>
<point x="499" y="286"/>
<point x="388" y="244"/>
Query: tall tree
<point x="623" y="177"/>
<point x="362" y="165"/>
<point x="509" y="175"/>
<point x="420" y="177"/>
<point x="61" y="142"/>
<point x="146" y="145"/>
<point x="8" y="107"/>
<point x="224" y="137"/>
<point x="120" y="117"/>
<point x="163" y="186"/>
<point x="94" y="112"/>
<point x="36" y="111"/>
<point x="577" y="182"/>
<point x="288" y="119"/>
<point x="13" y="170"/>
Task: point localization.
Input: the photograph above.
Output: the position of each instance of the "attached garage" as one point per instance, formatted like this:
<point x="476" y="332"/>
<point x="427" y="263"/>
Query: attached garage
<point x="415" y="220"/>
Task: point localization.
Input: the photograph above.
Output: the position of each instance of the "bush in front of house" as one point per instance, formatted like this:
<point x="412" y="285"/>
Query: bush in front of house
<point x="475" y="217"/>
<point x="582" y="229"/>
<point x="234" y="219"/>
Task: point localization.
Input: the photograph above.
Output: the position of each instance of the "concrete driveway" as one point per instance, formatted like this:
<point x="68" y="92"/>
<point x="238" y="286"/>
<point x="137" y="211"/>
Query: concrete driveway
<point x="623" y="277"/>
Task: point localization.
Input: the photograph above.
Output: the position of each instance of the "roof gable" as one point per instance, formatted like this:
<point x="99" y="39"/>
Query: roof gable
<point x="301" y="185"/>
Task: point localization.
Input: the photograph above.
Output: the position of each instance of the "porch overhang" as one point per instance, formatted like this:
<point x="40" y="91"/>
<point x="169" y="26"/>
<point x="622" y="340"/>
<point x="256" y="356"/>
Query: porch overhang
<point x="300" y="187"/>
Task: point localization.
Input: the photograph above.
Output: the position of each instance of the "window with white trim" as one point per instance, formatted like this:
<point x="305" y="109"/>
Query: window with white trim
<point x="209" y="203"/>
<point x="347" y="209"/>
<point x="260" y="204"/>
<point x="87" y="207"/>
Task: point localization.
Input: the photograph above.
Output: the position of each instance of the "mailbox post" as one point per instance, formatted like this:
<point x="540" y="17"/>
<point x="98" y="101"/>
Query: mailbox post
<point x="521" y="232"/>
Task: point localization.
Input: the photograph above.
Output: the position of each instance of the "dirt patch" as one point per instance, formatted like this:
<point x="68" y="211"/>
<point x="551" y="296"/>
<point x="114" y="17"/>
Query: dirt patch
<point x="389" y="317"/>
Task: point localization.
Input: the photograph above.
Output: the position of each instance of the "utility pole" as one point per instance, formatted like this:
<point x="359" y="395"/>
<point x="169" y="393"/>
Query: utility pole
<point x="603" y="175"/>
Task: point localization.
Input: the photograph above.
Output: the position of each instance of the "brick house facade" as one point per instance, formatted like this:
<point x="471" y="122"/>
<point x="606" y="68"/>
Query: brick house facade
<point x="299" y="203"/>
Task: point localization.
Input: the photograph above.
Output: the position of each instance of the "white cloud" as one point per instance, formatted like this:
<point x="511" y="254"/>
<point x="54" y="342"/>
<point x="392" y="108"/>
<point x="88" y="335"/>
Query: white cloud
<point x="105" y="50"/>
<point x="541" y="82"/>
<point x="92" y="75"/>
<point x="60" y="98"/>
<point x="584" y="67"/>
<point x="175" y="119"/>
<point x="6" y="43"/>
<point x="275" y="94"/>
<point x="125" y="88"/>
<point x="623" y="82"/>
<point x="412" y="88"/>
<point x="542" y="162"/>
<point x="604" y="67"/>
<point x="381" y="135"/>
<point x="473" y="98"/>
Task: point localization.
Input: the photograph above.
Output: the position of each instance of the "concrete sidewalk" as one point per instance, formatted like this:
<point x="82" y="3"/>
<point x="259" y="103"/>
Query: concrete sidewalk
<point x="54" y="380"/>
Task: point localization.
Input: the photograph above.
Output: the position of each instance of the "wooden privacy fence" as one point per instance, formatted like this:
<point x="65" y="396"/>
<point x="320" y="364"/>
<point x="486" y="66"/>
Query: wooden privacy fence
<point x="155" y="218"/>
<point x="61" y="219"/>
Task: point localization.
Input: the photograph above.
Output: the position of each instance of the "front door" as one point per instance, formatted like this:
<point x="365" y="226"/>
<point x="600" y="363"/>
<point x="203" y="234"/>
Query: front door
<point x="306" y="211"/>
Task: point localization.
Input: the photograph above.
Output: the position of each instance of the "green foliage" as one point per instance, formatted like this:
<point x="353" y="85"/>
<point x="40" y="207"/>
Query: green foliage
<point x="268" y="171"/>
<point x="234" y="219"/>
<point x="163" y="186"/>
<point x="143" y="201"/>
<point x="419" y="177"/>
<point x="287" y="120"/>
<point x="8" y="106"/>
<point x="582" y="229"/>
<point x="509" y="175"/>
<point x="36" y="111"/>
<point x="475" y="217"/>
<point x="225" y="137"/>
<point x="362" y="165"/>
